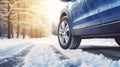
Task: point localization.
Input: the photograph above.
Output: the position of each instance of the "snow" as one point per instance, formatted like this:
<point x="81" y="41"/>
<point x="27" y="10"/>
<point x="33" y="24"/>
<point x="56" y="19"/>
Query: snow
<point x="99" y="42"/>
<point x="12" y="47"/>
<point x="43" y="55"/>
<point x="84" y="59"/>
<point x="47" y="53"/>
<point x="46" y="57"/>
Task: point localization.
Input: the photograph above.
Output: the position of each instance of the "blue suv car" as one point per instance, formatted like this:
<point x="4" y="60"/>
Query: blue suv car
<point x="88" y="19"/>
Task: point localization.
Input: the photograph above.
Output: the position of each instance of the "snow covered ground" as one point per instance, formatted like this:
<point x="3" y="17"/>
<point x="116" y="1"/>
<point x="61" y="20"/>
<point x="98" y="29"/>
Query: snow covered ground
<point x="46" y="52"/>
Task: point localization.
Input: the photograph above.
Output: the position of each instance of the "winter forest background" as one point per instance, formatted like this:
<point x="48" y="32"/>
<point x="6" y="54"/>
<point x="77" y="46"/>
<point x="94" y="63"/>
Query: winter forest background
<point x="19" y="20"/>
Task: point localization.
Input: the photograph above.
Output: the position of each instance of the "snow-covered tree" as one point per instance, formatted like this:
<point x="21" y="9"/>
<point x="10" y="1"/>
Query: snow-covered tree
<point x="19" y="18"/>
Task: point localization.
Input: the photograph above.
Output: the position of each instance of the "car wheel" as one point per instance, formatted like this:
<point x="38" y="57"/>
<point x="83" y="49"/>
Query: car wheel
<point x="117" y="41"/>
<point x="66" y="40"/>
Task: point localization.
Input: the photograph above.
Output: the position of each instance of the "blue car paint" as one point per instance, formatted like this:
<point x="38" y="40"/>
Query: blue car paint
<point x="94" y="16"/>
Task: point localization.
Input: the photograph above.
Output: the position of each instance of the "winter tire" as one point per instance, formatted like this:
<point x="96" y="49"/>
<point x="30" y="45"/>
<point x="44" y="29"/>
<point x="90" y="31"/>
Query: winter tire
<point x="66" y="40"/>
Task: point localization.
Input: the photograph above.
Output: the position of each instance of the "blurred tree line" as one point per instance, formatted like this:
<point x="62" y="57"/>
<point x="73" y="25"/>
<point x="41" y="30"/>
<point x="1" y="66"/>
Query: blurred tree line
<point x="17" y="20"/>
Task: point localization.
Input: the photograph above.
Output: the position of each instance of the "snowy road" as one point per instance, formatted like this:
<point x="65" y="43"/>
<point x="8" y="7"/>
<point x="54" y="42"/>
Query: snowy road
<point x="15" y="60"/>
<point x="112" y="52"/>
<point x="46" y="52"/>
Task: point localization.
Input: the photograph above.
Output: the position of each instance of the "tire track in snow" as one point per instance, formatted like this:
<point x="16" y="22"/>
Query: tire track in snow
<point x="62" y="56"/>
<point x="15" y="60"/>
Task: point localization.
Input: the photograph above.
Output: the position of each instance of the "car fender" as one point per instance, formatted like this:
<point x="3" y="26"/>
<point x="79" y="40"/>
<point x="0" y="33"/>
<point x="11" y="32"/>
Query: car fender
<point x="68" y="14"/>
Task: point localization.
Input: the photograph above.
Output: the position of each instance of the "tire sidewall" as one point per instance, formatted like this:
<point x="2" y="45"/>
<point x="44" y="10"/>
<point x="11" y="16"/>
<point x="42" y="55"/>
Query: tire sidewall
<point x="65" y="18"/>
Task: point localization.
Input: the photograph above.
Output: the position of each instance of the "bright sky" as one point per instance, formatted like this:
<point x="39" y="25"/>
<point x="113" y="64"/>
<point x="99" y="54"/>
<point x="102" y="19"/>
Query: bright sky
<point x="55" y="8"/>
<point x="50" y="8"/>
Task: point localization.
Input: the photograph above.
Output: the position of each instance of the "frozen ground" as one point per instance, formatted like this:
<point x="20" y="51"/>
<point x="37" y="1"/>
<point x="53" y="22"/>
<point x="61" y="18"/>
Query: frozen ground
<point x="45" y="52"/>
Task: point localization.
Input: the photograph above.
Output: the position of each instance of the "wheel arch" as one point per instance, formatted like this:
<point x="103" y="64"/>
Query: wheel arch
<point x="64" y="13"/>
<point x="67" y="13"/>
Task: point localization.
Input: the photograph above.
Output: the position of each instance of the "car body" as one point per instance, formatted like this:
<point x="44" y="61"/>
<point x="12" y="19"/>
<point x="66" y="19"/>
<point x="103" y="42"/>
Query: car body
<point x="92" y="19"/>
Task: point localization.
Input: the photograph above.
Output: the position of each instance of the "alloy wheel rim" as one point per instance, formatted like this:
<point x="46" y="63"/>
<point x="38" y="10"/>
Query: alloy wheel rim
<point x="64" y="33"/>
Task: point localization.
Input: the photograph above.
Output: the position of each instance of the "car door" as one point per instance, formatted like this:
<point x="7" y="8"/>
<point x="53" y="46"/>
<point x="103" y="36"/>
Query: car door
<point x="79" y="11"/>
<point x="85" y="19"/>
<point x="111" y="20"/>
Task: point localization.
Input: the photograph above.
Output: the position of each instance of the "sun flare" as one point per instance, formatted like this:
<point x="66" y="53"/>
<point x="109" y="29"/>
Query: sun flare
<point x="32" y="18"/>
<point x="50" y="9"/>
